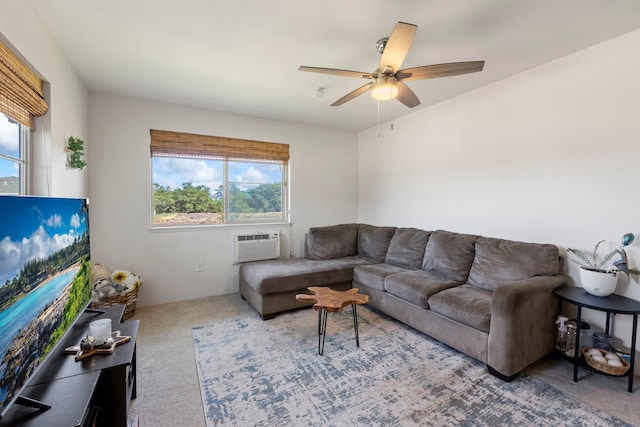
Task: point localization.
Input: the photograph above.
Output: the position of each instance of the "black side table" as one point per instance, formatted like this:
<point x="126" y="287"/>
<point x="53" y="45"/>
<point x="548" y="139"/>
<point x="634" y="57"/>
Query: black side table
<point x="615" y="304"/>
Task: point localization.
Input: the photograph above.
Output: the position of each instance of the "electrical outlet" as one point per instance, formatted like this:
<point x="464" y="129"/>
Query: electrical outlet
<point x="200" y="267"/>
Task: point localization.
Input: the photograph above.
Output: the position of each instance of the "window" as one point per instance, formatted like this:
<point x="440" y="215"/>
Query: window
<point x="21" y="100"/>
<point x="13" y="156"/>
<point x="204" y="180"/>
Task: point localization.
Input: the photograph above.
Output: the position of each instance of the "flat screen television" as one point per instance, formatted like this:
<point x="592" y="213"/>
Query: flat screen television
<point x="45" y="283"/>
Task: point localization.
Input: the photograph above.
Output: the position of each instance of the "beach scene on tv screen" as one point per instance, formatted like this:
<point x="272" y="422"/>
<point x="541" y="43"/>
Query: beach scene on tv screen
<point x="45" y="281"/>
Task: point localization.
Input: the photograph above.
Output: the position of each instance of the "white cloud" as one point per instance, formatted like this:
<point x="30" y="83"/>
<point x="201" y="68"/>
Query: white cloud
<point x="8" y="135"/>
<point x="9" y="258"/>
<point x="75" y="220"/>
<point x="13" y="255"/>
<point x="252" y="175"/>
<point x="174" y="172"/>
<point x="54" y="221"/>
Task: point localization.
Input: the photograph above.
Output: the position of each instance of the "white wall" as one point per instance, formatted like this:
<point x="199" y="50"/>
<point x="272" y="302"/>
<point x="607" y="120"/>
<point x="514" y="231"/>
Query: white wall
<point x="67" y="97"/>
<point x="549" y="155"/>
<point x="323" y="178"/>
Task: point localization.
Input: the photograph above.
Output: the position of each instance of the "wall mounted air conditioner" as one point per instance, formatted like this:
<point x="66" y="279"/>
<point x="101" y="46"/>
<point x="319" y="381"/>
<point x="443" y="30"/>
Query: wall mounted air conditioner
<point x="256" y="247"/>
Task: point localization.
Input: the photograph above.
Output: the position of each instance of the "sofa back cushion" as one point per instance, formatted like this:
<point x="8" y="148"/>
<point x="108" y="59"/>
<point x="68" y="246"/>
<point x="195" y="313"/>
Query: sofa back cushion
<point x="499" y="261"/>
<point x="335" y="241"/>
<point x="450" y="255"/>
<point x="407" y="248"/>
<point x="373" y="241"/>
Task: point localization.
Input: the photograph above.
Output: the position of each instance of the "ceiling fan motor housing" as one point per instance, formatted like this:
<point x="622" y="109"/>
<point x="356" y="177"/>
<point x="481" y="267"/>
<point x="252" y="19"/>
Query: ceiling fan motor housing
<point x="381" y="44"/>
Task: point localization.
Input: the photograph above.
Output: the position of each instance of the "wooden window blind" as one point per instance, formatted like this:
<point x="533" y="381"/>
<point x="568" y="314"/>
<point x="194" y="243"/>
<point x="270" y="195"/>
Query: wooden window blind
<point x="178" y="144"/>
<point x="21" y="96"/>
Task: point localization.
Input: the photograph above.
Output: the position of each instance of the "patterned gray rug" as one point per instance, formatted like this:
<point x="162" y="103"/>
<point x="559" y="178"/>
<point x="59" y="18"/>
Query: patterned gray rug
<point x="268" y="373"/>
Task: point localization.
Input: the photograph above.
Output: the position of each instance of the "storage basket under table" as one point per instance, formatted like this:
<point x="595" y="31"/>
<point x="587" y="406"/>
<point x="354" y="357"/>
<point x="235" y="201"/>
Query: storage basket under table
<point x="604" y="367"/>
<point x="129" y="299"/>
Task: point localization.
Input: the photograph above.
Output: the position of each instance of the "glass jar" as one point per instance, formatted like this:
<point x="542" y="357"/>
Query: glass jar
<point x="572" y="328"/>
<point x="602" y="341"/>
<point x="586" y="335"/>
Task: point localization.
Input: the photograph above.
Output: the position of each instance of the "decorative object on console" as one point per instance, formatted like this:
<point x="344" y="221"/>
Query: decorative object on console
<point x="100" y="329"/>
<point x="75" y="153"/>
<point x="599" y="276"/>
<point x="89" y="346"/>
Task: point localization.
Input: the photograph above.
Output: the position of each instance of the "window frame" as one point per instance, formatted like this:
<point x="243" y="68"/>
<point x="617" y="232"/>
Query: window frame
<point x="225" y="150"/>
<point x="23" y="159"/>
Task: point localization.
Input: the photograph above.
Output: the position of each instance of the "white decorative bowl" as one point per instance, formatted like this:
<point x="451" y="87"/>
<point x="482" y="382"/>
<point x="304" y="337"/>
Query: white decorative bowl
<point x="600" y="283"/>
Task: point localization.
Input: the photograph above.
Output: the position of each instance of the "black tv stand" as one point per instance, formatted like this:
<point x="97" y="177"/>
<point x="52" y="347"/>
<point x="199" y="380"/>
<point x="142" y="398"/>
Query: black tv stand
<point x="68" y="393"/>
<point x="32" y="403"/>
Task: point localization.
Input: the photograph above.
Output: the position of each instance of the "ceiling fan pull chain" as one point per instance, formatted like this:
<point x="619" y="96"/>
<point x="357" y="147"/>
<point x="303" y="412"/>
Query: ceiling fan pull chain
<point x="378" y="119"/>
<point x="393" y="116"/>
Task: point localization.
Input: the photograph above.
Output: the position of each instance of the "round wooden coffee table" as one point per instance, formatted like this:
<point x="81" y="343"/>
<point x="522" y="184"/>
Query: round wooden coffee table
<point x="328" y="300"/>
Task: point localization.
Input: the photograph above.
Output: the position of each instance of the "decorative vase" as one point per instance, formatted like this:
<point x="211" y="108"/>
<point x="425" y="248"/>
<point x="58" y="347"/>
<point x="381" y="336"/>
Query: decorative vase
<point x="600" y="283"/>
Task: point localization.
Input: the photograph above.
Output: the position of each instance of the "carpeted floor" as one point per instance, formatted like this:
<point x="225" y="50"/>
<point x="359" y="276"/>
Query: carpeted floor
<point x="260" y="373"/>
<point x="169" y="392"/>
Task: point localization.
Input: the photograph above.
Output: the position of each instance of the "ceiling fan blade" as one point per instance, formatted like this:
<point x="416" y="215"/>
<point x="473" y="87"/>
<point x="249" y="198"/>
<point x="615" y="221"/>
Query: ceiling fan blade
<point x="439" y="70"/>
<point x="406" y="95"/>
<point x="336" y="72"/>
<point x="398" y="46"/>
<point x="353" y="94"/>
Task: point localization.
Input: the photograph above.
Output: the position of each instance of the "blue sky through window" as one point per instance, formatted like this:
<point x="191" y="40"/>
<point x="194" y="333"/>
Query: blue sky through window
<point x="174" y="172"/>
<point x="9" y="146"/>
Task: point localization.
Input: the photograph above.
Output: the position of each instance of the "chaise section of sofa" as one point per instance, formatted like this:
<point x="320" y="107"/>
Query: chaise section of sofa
<point x="331" y="253"/>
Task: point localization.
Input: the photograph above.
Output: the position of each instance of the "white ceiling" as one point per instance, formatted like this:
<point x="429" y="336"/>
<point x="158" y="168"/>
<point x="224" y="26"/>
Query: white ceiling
<point x="243" y="56"/>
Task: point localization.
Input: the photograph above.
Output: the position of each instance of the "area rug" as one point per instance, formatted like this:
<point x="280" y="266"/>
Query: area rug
<point x="269" y="373"/>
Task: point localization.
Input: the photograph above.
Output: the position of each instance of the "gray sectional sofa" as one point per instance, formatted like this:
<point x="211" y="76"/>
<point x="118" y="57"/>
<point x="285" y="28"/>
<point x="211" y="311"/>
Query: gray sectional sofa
<point x="489" y="298"/>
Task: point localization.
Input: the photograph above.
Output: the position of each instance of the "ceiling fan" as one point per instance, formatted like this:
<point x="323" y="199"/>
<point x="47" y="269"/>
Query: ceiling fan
<point x="388" y="80"/>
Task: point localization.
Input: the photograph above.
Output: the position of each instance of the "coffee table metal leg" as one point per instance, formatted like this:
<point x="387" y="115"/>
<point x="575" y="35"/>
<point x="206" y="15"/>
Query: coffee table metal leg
<point x="322" y="329"/>
<point x="355" y="324"/>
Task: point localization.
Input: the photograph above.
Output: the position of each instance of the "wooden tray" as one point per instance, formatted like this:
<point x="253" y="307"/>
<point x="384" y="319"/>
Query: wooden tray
<point x="80" y="354"/>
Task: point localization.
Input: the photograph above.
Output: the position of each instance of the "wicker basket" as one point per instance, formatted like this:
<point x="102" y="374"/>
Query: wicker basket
<point x="129" y="299"/>
<point x="603" y="367"/>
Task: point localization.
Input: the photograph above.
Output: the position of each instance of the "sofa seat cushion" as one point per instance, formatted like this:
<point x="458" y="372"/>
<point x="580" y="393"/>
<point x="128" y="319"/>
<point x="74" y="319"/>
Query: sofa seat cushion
<point x="499" y="262"/>
<point x="416" y="286"/>
<point x="374" y="275"/>
<point x="335" y="241"/>
<point x="373" y="241"/>
<point x="407" y="248"/>
<point x="450" y="255"/>
<point x="284" y="275"/>
<point x="466" y="304"/>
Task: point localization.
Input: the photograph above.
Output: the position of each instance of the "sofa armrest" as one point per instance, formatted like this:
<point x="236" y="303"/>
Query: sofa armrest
<point x="522" y="323"/>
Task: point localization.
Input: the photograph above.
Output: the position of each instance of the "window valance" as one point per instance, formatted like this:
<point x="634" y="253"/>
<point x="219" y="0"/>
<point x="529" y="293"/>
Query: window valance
<point x="21" y="95"/>
<point x="178" y="144"/>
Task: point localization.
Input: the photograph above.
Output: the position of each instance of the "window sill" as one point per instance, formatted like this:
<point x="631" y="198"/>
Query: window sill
<point x="202" y="227"/>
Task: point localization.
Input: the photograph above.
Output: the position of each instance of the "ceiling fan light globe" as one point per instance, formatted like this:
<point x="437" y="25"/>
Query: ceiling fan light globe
<point x="384" y="89"/>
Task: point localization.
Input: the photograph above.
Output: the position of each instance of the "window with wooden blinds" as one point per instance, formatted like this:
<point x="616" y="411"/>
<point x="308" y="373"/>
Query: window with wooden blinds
<point x="211" y="180"/>
<point x="21" y="95"/>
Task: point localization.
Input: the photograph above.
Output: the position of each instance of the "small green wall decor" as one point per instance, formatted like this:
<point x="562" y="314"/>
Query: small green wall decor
<point x="75" y="153"/>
